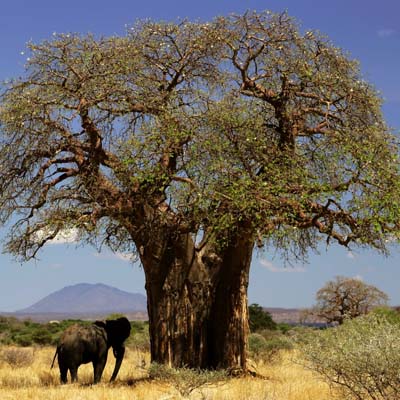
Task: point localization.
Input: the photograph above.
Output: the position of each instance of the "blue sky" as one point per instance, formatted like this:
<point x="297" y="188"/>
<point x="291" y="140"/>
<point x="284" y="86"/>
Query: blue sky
<point x="368" y="30"/>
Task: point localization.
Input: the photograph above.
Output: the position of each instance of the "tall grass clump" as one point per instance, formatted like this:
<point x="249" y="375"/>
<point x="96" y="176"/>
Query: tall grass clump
<point x="360" y="357"/>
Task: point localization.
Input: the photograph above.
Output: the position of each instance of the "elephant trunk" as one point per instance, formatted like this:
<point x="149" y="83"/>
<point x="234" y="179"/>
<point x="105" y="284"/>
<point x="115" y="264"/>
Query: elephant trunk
<point x="119" y="356"/>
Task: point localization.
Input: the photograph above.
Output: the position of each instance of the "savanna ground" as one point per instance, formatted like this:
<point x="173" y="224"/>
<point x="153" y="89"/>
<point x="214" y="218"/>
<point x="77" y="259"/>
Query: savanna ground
<point x="31" y="378"/>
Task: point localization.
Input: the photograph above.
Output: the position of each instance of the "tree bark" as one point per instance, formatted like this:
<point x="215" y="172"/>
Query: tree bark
<point x="197" y="302"/>
<point x="228" y="333"/>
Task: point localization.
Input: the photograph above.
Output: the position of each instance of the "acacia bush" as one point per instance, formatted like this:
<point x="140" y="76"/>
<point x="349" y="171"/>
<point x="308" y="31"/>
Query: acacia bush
<point x="360" y="357"/>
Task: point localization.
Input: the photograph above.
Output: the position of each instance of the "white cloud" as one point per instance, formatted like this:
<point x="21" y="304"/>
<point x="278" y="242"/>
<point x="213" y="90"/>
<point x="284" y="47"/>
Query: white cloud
<point x="386" y="32"/>
<point x="358" y="278"/>
<point x="350" y="255"/>
<point x="63" y="237"/>
<point x="273" y="268"/>
<point x="67" y="236"/>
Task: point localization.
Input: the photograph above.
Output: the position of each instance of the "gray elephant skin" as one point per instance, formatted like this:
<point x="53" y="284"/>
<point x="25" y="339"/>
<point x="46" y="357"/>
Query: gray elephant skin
<point x="83" y="344"/>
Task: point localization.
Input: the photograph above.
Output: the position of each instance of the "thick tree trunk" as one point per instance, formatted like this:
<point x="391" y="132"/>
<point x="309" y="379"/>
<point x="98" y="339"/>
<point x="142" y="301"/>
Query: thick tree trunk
<point x="228" y="333"/>
<point x="197" y="303"/>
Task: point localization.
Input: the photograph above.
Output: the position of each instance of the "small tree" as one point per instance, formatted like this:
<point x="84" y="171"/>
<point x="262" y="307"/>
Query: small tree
<point x="344" y="298"/>
<point x="260" y="319"/>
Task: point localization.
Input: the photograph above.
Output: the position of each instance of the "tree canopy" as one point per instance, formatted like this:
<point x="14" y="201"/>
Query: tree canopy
<point x="242" y="118"/>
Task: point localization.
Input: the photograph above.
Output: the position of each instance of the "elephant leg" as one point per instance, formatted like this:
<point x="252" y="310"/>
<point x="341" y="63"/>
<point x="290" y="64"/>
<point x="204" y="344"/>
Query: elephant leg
<point x="74" y="374"/>
<point x="63" y="374"/>
<point x="63" y="369"/>
<point x="98" y="368"/>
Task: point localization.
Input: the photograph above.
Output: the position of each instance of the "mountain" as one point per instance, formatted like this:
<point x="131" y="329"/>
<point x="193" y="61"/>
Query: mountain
<point x="86" y="298"/>
<point x="97" y="301"/>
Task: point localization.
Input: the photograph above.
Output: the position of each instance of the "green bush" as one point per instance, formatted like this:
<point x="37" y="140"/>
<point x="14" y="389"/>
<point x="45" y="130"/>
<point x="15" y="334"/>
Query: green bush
<point x="268" y="344"/>
<point x="139" y="338"/>
<point x="140" y="341"/>
<point x="257" y="344"/>
<point x="361" y="357"/>
<point x="42" y="337"/>
<point x="284" y="327"/>
<point x="28" y="333"/>
<point x="21" y="339"/>
<point x="388" y="313"/>
<point x="260" y="319"/>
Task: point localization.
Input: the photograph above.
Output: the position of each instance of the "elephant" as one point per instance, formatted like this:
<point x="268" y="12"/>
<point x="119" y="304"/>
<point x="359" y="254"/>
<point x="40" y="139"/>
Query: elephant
<point x="83" y="344"/>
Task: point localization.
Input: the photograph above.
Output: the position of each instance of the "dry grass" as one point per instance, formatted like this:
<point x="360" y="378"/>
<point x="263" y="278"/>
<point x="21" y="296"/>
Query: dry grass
<point x="284" y="380"/>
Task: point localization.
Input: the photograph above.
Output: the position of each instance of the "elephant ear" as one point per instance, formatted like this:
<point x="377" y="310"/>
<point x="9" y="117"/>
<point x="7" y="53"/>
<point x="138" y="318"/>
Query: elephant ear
<point x="101" y="324"/>
<point x="118" y="330"/>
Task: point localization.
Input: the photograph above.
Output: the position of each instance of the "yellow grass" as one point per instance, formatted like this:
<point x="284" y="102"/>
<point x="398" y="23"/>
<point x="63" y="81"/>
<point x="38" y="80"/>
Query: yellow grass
<point x="283" y="380"/>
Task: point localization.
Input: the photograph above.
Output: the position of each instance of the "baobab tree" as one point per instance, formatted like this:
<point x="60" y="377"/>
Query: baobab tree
<point x="346" y="298"/>
<point x="188" y="144"/>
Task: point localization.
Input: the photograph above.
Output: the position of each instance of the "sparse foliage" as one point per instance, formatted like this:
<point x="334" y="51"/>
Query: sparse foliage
<point x="345" y="298"/>
<point x="236" y="131"/>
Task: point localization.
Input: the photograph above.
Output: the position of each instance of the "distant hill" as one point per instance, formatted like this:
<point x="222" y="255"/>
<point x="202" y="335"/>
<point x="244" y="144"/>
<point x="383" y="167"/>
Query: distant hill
<point x="97" y="301"/>
<point x="88" y="299"/>
<point x="286" y="315"/>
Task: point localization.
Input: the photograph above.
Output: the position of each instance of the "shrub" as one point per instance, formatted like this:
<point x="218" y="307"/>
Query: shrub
<point x="186" y="380"/>
<point x="257" y="344"/>
<point x="27" y="333"/>
<point x="267" y="344"/>
<point x="17" y="357"/>
<point x="4" y="324"/>
<point x="139" y="340"/>
<point x="42" y="336"/>
<point x="362" y="357"/>
<point x="284" y="327"/>
<point x="390" y="314"/>
<point x="22" y="339"/>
